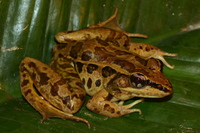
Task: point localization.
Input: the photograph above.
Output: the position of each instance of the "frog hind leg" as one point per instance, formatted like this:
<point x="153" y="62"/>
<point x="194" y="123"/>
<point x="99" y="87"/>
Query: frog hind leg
<point x="112" y="23"/>
<point x="43" y="106"/>
<point x="148" y="51"/>
<point x="145" y="50"/>
<point x="104" y="103"/>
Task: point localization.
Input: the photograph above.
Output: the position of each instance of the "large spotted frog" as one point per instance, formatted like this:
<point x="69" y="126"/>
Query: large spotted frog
<point x="100" y="61"/>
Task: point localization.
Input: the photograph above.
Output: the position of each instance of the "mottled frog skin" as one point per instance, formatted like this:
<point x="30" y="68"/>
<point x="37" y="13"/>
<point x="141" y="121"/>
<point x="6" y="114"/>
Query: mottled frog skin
<point x="100" y="61"/>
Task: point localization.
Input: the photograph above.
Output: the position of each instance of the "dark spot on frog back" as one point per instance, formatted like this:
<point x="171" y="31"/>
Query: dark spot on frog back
<point x="86" y="55"/>
<point x="98" y="83"/>
<point x="108" y="71"/>
<point x="89" y="83"/>
<point x="101" y="54"/>
<point x="75" y="50"/>
<point x="79" y="67"/>
<point x="125" y="65"/>
<point x="62" y="46"/>
<point x="102" y="42"/>
<point x="91" y="68"/>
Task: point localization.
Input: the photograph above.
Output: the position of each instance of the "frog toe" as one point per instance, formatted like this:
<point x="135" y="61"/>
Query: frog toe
<point x="160" y="55"/>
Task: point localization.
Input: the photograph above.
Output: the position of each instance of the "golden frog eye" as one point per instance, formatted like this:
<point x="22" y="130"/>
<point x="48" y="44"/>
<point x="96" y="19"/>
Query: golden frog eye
<point x="138" y="80"/>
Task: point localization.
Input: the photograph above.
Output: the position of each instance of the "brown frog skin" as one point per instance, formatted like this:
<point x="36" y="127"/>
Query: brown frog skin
<point x="99" y="61"/>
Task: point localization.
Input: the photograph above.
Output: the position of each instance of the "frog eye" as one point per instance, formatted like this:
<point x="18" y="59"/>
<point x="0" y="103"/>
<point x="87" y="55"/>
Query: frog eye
<point x="138" y="80"/>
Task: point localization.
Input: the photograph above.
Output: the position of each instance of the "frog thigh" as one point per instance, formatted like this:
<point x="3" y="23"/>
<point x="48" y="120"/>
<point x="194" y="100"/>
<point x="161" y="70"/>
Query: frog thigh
<point x="34" y="73"/>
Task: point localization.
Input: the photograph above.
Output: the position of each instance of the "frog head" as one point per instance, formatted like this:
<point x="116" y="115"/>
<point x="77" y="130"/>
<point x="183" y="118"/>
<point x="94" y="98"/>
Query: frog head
<point x="146" y="81"/>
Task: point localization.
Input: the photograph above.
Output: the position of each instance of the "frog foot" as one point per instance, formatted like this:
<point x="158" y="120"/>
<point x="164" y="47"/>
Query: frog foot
<point x="160" y="55"/>
<point x="147" y="51"/>
<point x="129" y="106"/>
<point x="48" y="111"/>
<point x="101" y="105"/>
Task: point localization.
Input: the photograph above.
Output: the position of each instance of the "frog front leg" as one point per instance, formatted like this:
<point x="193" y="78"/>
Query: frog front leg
<point x="56" y="98"/>
<point x="105" y="104"/>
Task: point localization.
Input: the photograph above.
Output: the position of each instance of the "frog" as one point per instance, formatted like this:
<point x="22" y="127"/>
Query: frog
<point x="99" y="61"/>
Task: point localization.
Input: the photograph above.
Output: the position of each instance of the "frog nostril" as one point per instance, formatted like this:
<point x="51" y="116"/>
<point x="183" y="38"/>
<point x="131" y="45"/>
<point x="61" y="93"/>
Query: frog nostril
<point x="138" y="80"/>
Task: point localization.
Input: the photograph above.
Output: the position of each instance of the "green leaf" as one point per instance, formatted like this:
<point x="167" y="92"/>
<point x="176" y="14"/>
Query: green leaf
<point x="28" y="28"/>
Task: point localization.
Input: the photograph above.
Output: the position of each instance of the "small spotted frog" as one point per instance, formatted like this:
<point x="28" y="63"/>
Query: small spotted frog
<point x="100" y="61"/>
